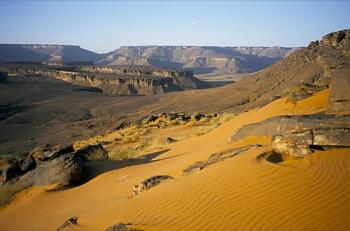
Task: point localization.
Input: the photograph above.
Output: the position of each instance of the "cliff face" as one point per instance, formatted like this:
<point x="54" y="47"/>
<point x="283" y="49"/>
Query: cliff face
<point x="115" y="81"/>
<point x="199" y="59"/>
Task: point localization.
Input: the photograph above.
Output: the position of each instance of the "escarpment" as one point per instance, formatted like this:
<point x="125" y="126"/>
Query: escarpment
<point x="114" y="80"/>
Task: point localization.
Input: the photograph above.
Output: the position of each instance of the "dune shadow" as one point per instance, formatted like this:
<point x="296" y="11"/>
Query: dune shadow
<point x="94" y="168"/>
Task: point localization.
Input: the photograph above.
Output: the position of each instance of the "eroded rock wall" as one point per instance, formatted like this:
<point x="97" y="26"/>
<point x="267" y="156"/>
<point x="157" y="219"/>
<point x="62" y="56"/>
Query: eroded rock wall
<point x="118" y="81"/>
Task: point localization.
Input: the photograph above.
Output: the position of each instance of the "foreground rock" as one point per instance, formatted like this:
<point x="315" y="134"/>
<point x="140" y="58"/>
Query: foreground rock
<point x="121" y="227"/>
<point x="64" y="170"/>
<point x="68" y="223"/>
<point x="45" y="166"/>
<point x="149" y="183"/>
<point x="16" y="168"/>
<point x="300" y="135"/>
<point x="339" y="99"/>
<point x="215" y="158"/>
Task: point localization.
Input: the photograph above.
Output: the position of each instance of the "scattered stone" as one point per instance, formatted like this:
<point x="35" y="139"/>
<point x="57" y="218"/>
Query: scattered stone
<point x="148" y="119"/>
<point x="93" y="152"/>
<point x="27" y="164"/>
<point x="70" y="222"/>
<point x="215" y="158"/>
<point x="149" y="183"/>
<point x="169" y="140"/>
<point x="198" y="116"/>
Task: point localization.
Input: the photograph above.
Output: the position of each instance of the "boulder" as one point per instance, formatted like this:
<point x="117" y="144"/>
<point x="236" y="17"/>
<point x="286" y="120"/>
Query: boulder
<point x="50" y="152"/>
<point x="16" y="168"/>
<point x="64" y="170"/>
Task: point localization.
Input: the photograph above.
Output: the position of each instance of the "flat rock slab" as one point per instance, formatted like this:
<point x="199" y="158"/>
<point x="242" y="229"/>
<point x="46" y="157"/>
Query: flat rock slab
<point x="299" y="135"/>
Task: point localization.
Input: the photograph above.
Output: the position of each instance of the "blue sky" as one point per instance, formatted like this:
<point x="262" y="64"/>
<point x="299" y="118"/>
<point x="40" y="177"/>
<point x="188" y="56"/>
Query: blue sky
<point x="103" y="26"/>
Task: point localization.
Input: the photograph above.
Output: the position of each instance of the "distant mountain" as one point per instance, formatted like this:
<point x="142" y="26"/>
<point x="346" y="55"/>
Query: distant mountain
<point x="46" y="53"/>
<point x="200" y="60"/>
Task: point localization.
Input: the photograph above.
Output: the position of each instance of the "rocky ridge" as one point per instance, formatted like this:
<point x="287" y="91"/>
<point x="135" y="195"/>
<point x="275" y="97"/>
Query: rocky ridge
<point x="301" y="135"/>
<point x="113" y="80"/>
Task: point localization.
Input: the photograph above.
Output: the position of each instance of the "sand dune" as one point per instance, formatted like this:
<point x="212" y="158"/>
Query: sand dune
<point x="240" y="193"/>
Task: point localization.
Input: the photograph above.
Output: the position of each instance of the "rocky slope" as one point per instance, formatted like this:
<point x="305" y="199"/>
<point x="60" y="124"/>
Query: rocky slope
<point x="297" y="76"/>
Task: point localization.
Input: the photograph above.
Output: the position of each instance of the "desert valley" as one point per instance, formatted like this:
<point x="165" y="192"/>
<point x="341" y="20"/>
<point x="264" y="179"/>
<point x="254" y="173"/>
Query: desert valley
<point x="176" y="137"/>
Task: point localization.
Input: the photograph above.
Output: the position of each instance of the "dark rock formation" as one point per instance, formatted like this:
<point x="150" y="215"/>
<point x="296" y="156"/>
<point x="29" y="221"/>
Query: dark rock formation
<point x="215" y="158"/>
<point x="16" y="168"/>
<point x="68" y="223"/>
<point x="299" y="135"/>
<point x="50" y="152"/>
<point x="121" y="227"/>
<point x="64" y="170"/>
<point x="50" y="165"/>
<point x="93" y="152"/>
<point x="118" y="227"/>
<point x="149" y="183"/>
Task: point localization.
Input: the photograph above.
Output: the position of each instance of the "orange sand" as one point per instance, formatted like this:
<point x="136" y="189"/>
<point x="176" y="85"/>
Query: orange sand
<point x="239" y="193"/>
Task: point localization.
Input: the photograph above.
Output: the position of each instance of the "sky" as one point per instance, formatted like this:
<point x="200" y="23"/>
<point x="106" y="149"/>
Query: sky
<point x="103" y="26"/>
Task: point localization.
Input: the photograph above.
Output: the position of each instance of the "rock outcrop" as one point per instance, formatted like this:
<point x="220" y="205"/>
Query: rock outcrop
<point x="64" y="170"/>
<point x="215" y="158"/>
<point x="121" y="227"/>
<point x="300" y="135"/>
<point x="339" y="100"/>
<point x="149" y="183"/>
<point x="17" y="167"/>
<point x="69" y="223"/>
<point x="50" y="165"/>
<point x="116" y="80"/>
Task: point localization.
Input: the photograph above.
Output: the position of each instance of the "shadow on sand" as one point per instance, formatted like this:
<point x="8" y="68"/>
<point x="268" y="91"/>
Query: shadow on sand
<point x="94" y="168"/>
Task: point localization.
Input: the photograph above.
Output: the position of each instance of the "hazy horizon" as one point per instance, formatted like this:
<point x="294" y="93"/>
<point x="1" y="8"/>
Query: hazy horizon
<point x="105" y="27"/>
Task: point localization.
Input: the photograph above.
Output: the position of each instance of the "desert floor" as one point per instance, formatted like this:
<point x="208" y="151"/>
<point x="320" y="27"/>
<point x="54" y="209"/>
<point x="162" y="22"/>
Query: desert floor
<point x="244" y="192"/>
